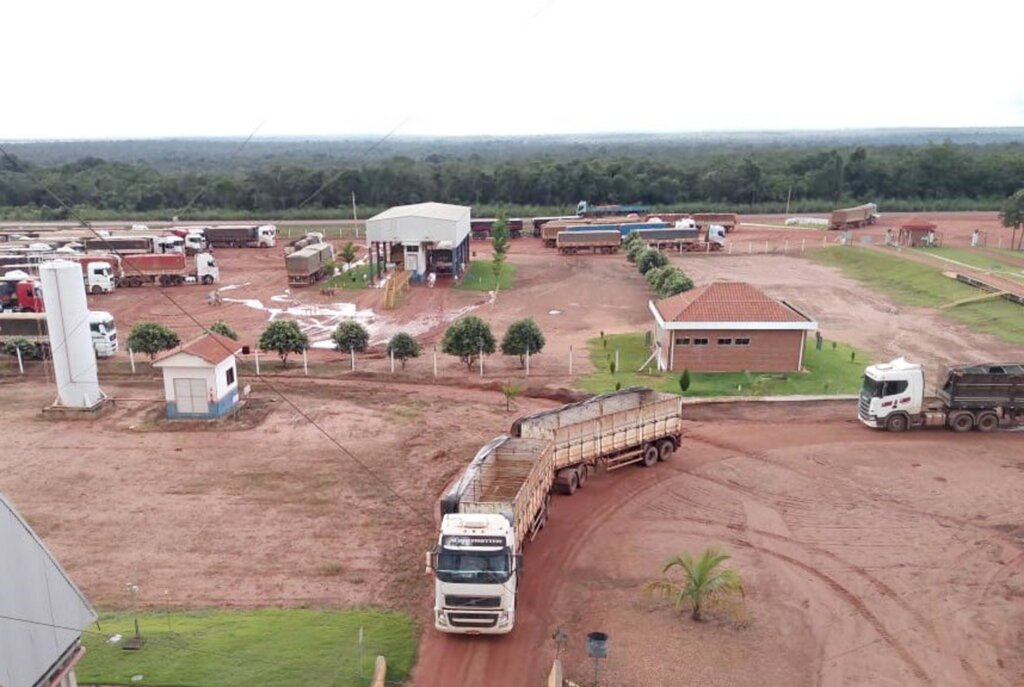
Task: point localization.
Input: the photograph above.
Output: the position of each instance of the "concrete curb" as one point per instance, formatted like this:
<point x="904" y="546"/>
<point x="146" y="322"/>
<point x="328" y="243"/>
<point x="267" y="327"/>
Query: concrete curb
<point x="767" y="399"/>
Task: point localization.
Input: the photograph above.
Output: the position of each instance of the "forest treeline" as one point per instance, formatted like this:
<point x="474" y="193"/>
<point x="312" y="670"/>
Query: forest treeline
<point x="938" y="176"/>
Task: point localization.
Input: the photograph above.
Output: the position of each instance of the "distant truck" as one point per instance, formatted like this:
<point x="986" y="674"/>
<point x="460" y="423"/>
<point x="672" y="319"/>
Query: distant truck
<point x="242" y="236"/>
<point x="98" y="271"/>
<point x="726" y="220"/>
<point x="585" y="209"/>
<point x="851" y="218"/>
<point x="308" y="239"/>
<point x="983" y="397"/>
<point x="480" y="228"/>
<point x="591" y="241"/>
<point x="685" y="237"/>
<point x="125" y="245"/>
<point x="194" y="238"/>
<point x="32" y="327"/>
<point x="308" y="265"/>
<point x="167" y="270"/>
<point x="502" y="499"/>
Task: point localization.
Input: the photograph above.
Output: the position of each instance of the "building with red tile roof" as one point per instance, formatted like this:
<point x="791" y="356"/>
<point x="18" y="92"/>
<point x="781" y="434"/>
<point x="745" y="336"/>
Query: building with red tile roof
<point x="729" y="326"/>
<point x="200" y="377"/>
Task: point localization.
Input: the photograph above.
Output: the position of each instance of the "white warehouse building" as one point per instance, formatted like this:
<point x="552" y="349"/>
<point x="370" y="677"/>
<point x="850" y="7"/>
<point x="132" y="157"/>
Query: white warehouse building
<point x="200" y="377"/>
<point x="423" y="238"/>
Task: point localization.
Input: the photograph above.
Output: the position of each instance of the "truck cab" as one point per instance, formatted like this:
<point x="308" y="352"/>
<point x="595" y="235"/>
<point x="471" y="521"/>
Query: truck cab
<point x="99" y="277"/>
<point x="195" y="242"/>
<point x="716" y="234"/>
<point x="892" y="394"/>
<point x="168" y="244"/>
<point x="29" y="296"/>
<point x="266" y="236"/>
<point x="475" y="569"/>
<point x="104" y="333"/>
<point x="207" y="270"/>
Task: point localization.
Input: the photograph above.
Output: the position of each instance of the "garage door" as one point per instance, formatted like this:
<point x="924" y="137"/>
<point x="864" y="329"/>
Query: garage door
<point x="190" y="396"/>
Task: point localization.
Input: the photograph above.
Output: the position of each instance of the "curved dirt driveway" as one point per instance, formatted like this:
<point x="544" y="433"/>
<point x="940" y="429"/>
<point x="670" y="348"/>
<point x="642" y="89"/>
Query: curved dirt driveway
<point x="868" y="559"/>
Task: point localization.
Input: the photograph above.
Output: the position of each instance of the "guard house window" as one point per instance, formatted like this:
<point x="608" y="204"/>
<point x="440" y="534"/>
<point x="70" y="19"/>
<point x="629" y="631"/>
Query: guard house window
<point x="700" y="342"/>
<point x="682" y="341"/>
<point x="725" y="342"/>
<point x="229" y="376"/>
<point x="744" y="341"/>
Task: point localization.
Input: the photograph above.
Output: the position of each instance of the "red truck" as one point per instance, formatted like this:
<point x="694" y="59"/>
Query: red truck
<point x="480" y="228"/>
<point x="170" y="269"/>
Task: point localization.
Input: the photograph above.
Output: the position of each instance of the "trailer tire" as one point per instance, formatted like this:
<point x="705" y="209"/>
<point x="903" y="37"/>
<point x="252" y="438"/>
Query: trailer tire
<point x="897" y="423"/>
<point x="208" y="279"/>
<point x="665" y="449"/>
<point x="96" y="289"/>
<point x="650" y="456"/>
<point x="582" y="475"/>
<point x="961" y="422"/>
<point x="987" y="422"/>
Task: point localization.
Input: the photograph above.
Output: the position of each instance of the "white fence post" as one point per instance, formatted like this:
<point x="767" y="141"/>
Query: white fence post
<point x="481" y="363"/>
<point x="435" y="361"/>
<point x="21" y="366"/>
<point x="616" y="360"/>
<point x="570" y="360"/>
<point x="257" y="351"/>
<point x="305" y="363"/>
<point x="392" y="352"/>
<point x="527" y="361"/>
<point x="131" y="357"/>
<point x="352" y="352"/>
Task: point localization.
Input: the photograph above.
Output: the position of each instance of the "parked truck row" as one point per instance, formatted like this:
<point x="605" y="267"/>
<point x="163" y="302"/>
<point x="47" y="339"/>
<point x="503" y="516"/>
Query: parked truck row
<point x="502" y="500"/>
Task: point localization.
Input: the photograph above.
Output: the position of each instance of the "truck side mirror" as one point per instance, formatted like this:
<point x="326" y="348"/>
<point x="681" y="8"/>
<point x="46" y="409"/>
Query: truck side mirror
<point x="431" y="560"/>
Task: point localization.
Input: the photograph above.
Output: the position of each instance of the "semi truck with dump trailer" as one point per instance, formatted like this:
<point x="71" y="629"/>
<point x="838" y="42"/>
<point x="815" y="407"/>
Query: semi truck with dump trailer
<point x="983" y="396"/>
<point x="32" y="327"/>
<point x="308" y="265"/>
<point x="591" y="241"/>
<point x="726" y="220"/>
<point x="242" y="236"/>
<point x="685" y="237"/>
<point x="125" y="245"/>
<point x="97" y="270"/>
<point x="308" y="239"/>
<point x="851" y="218"/>
<point x="168" y="270"/>
<point x="502" y="499"/>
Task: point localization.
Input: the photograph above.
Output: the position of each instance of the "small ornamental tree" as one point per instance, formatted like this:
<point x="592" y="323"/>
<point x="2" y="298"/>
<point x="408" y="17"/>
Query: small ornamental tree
<point x="284" y="338"/>
<point x="656" y="275"/>
<point x="151" y="338"/>
<point x="403" y="347"/>
<point x="224" y="329"/>
<point x="1012" y="217"/>
<point x="684" y="381"/>
<point x="29" y="350"/>
<point x="467" y="338"/>
<point x="675" y="282"/>
<point x="649" y="259"/>
<point x="500" y="236"/>
<point x="351" y="336"/>
<point x="703" y="583"/>
<point x="522" y="336"/>
<point x="635" y="250"/>
<point x="348" y="253"/>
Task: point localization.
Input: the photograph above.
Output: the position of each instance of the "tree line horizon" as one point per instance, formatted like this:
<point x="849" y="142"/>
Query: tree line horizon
<point x="937" y="176"/>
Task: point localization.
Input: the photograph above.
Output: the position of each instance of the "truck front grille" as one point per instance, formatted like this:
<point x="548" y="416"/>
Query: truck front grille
<point x="864" y="407"/>
<point x="472" y="619"/>
<point x="472" y="601"/>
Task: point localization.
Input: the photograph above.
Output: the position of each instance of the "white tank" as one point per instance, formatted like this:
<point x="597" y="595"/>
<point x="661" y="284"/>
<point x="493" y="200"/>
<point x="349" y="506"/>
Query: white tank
<point x="67" y="319"/>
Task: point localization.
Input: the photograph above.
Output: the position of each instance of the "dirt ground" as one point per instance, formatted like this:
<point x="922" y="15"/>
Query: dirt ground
<point x="868" y="558"/>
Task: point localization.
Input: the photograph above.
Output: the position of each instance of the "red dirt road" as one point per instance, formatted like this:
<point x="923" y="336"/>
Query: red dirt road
<point x="868" y="559"/>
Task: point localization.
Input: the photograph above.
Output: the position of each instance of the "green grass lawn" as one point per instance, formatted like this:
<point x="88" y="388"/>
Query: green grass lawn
<point x="978" y="260"/>
<point x="480" y="276"/>
<point x="355" y="278"/>
<point x="828" y="372"/>
<point x="910" y="283"/>
<point x="241" y="648"/>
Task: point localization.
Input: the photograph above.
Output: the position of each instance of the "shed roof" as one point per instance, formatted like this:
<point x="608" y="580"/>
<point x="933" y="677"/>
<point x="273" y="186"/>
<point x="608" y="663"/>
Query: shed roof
<point x="211" y="347"/>
<point x="443" y="211"/>
<point x="916" y="224"/>
<point x="50" y="609"/>
<point x="727" y="301"/>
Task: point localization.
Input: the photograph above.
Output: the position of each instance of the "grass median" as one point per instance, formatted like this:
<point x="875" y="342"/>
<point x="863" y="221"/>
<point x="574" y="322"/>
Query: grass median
<point x="911" y="283"/>
<point x="269" y="647"/>
<point x="832" y="370"/>
<point x="480" y="277"/>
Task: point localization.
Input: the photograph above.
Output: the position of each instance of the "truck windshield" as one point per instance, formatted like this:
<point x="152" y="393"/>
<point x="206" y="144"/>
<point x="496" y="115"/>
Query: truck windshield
<point x="871" y="388"/>
<point x="473" y="567"/>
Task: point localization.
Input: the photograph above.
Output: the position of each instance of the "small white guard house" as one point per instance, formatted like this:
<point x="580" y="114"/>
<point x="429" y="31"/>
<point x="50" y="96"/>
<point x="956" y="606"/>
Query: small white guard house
<point x="42" y="612"/>
<point x="421" y="238"/>
<point x="200" y="377"/>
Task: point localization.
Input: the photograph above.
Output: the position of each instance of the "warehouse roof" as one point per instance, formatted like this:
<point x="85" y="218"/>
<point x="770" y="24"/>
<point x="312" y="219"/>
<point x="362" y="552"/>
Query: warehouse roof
<point x="42" y="612"/>
<point x="727" y="301"/>
<point x="213" y="348"/>
<point x="428" y="210"/>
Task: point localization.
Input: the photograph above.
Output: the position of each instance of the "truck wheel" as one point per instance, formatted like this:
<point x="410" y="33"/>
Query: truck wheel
<point x="208" y="279"/>
<point x="897" y="423"/>
<point x="665" y="449"/>
<point x="987" y="422"/>
<point x="572" y="484"/>
<point x="96" y="289"/>
<point x="582" y="472"/>
<point x="961" y="422"/>
<point x="650" y="456"/>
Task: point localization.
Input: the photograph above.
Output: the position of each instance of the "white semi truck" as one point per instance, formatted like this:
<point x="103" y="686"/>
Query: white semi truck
<point x="981" y="396"/>
<point x="502" y="499"/>
<point x="32" y="327"/>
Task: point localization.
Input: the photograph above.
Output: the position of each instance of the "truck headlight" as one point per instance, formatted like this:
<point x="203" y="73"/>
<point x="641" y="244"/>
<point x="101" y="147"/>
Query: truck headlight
<point x="442" y="619"/>
<point x="503" y="618"/>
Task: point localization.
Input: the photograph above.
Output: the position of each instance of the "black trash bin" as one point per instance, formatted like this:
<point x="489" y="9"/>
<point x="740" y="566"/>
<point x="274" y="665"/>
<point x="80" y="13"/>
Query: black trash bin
<point x="597" y="645"/>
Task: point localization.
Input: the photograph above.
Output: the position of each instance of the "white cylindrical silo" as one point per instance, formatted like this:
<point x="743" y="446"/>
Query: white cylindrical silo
<point x="67" y="321"/>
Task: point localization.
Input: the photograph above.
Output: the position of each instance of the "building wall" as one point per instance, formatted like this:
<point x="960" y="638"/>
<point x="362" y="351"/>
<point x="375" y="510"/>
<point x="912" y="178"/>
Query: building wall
<point x="768" y="351"/>
<point x="224" y="396"/>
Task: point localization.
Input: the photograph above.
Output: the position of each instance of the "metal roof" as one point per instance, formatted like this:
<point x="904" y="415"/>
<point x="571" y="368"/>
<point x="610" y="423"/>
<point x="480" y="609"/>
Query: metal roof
<point x="35" y="589"/>
<point x="427" y="210"/>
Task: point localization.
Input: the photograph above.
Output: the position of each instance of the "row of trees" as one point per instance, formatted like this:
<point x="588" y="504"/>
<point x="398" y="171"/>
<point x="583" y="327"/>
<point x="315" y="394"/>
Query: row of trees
<point x="664" y="279"/>
<point x="466" y="339"/>
<point x="708" y="175"/>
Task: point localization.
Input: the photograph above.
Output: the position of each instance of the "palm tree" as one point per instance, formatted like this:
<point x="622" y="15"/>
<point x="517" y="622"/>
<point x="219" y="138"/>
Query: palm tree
<point x="703" y="584"/>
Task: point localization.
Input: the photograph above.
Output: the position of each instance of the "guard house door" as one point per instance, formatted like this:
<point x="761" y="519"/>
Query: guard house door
<point x="412" y="258"/>
<point x="190" y="396"/>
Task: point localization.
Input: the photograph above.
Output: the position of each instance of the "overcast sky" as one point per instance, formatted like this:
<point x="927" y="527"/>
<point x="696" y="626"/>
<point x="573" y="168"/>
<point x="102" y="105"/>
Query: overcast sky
<point x="477" y="67"/>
